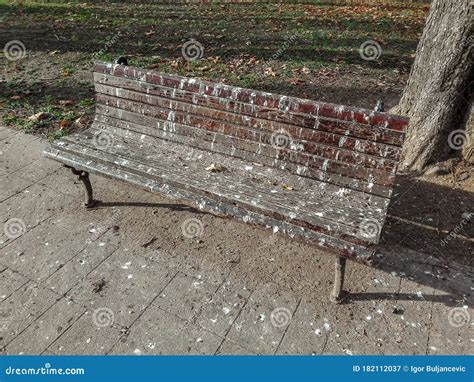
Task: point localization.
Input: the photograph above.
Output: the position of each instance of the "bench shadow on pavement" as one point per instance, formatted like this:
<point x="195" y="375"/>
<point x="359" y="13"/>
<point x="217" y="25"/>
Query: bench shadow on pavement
<point x="172" y="206"/>
<point x="415" y="241"/>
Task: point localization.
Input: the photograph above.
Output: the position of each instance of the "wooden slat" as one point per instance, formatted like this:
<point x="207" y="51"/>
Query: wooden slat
<point x="257" y="196"/>
<point x="268" y="100"/>
<point x="339" y="246"/>
<point x="311" y="129"/>
<point x="241" y="135"/>
<point x="160" y="152"/>
<point x="360" y="201"/>
<point x="166" y="121"/>
<point x="124" y="127"/>
<point x="331" y="146"/>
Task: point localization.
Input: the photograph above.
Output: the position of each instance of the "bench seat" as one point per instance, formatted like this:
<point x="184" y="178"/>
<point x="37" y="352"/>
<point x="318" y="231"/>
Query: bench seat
<point x="297" y="206"/>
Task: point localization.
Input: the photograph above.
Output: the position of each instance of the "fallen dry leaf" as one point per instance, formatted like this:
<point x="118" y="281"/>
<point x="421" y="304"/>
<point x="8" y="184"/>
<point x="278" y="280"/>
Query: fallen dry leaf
<point x="306" y="70"/>
<point x="269" y="72"/>
<point x="63" y="124"/>
<point x="216" y="168"/>
<point x="65" y="102"/>
<point x="38" y="116"/>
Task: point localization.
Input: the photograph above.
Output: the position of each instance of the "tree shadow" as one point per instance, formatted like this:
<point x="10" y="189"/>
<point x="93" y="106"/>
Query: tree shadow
<point x="418" y="240"/>
<point x="447" y="299"/>
<point x="131" y="31"/>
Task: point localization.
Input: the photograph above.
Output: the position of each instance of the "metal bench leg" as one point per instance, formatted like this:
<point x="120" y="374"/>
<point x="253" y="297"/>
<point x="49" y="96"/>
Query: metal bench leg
<point x="338" y="279"/>
<point x="83" y="176"/>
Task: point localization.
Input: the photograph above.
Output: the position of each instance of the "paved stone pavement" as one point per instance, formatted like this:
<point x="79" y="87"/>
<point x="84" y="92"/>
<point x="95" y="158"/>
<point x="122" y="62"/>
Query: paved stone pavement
<point x="125" y="278"/>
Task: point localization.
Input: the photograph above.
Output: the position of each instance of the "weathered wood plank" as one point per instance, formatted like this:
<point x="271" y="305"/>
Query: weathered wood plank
<point x="268" y="100"/>
<point x="127" y="129"/>
<point x="246" y="128"/>
<point x="192" y="163"/>
<point x="256" y="196"/>
<point x="117" y="108"/>
<point x="245" y="139"/>
<point x="160" y="151"/>
<point x="357" y="252"/>
<point x="311" y="129"/>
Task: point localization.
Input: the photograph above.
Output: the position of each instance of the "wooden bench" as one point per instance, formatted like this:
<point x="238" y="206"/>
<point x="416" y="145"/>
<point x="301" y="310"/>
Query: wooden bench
<point x="319" y="172"/>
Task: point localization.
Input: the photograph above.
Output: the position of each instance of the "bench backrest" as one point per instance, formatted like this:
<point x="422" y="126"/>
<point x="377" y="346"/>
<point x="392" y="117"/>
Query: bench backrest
<point x="350" y="147"/>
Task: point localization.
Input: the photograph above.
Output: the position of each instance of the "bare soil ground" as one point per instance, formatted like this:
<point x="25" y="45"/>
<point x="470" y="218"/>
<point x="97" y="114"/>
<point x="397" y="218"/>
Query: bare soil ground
<point x="310" y="51"/>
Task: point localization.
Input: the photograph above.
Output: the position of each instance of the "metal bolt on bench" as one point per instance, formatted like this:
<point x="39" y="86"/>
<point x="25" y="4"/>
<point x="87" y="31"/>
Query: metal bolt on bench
<point x="317" y="172"/>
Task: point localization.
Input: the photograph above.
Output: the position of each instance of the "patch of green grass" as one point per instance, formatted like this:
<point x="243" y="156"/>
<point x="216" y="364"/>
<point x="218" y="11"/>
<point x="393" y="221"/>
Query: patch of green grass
<point x="53" y="135"/>
<point x="85" y="103"/>
<point x="9" y="119"/>
<point x="69" y="69"/>
<point x="250" y="80"/>
<point x="240" y="42"/>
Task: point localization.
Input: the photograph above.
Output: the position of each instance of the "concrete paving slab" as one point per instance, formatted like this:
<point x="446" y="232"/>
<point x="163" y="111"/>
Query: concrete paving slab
<point x="7" y="133"/>
<point x="78" y="267"/>
<point x="231" y="348"/>
<point x="19" y="310"/>
<point x="94" y="333"/>
<point x="298" y="267"/>
<point x="46" y="329"/>
<point x="43" y="250"/>
<point x="185" y="295"/>
<point x="385" y="318"/>
<point x="309" y="329"/>
<point x="124" y="284"/>
<point x="18" y="151"/>
<point x="9" y="282"/>
<point x="264" y="319"/>
<point x="27" y="209"/>
<point x="39" y="169"/>
<point x="160" y="332"/>
<point x="452" y="324"/>
<point x="218" y="314"/>
<point x="11" y="185"/>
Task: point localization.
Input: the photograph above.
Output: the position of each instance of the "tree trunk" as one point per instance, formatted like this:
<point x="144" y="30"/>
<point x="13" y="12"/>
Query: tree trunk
<point x="468" y="148"/>
<point x="437" y="95"/>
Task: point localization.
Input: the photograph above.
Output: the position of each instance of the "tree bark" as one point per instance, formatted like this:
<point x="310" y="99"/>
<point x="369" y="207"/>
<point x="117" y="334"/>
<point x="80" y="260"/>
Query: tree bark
<point x="468" y="148"/>
<point x="438" y="92"/>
